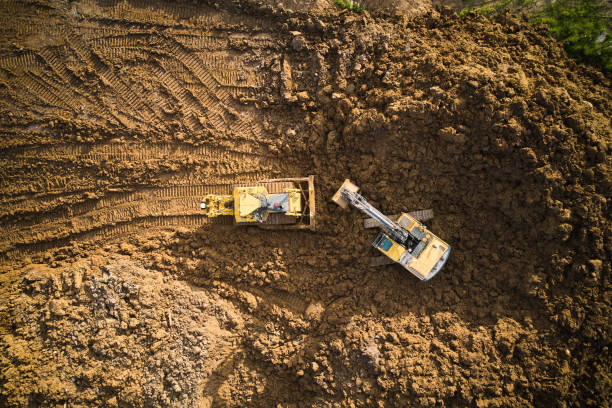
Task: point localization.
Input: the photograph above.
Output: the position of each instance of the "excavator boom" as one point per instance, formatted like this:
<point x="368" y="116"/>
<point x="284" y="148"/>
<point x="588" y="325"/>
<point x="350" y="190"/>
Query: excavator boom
<point x="394" y="230"/>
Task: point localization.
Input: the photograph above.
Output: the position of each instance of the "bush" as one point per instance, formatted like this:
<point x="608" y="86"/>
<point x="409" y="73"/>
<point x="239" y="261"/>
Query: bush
<point x="582" y="27"/>
<point x="350" y="5"/>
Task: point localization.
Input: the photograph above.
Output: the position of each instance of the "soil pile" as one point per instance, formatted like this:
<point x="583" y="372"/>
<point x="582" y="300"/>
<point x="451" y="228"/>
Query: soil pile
<point x="118" y="117"/>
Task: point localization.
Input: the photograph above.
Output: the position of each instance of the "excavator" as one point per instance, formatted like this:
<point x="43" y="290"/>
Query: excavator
<point x="403" y="239"/>
<point x="287" y="203"/>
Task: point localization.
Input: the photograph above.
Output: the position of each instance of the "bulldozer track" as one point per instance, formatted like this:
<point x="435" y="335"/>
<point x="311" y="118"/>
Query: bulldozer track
<point x="23" y="205"/>
<point x="44" y="185"/>
<point x="131" y="13"/>
<point x="205" y="42"/>
<point x="51" y="59"/>
<point x="139" y="109"/>
<point x="42" y="91"/>
<point x="189" y="104"/>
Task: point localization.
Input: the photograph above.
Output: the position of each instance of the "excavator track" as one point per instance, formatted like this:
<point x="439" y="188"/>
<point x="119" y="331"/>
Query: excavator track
<point x="420" y="215"/>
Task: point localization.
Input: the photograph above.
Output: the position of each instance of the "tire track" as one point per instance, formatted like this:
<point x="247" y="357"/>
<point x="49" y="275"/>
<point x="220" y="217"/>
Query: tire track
<point x="281" y="299"/>
<point x="191" y="107"/>
<point x="214" y="94"/>
<point x="122" y="117"/>
<point x="138" y="108"/>
<point x="25" y="62"/>
<point x="59" y="69"/>
<point x="42" y="91"/>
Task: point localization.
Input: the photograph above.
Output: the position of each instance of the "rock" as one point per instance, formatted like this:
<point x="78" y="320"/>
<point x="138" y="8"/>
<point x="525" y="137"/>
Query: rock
<point x="529" y="156"/>
<point x="331" y="140"/>
<point x="126" y="248"/>
<point x="298" y="42"/>
<point x="314" y="366"/>
<point x="250" y="300"/>
<point x="303" y="96"/>
<point x="436" y="90"/>
<point x="314" y="311"/>
<point x="286" y="80"/>
<point x="450" y="135"/>
<point x="564" y="231"/>
<point x="58" y="307"/>
<point x="595" y="265"/>
<point x="337" y="96"/>
<point x="37" y="277"/>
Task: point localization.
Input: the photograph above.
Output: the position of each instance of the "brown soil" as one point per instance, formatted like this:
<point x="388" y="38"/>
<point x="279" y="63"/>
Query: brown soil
<point x="117" y="117"/>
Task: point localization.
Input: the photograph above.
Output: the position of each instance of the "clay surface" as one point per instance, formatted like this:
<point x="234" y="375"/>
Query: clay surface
<point x="118" y="116"/>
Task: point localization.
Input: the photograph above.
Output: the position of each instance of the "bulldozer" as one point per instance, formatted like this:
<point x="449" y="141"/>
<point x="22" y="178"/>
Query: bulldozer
<point x="403" y="239"/>
<point x="286" y="203"/>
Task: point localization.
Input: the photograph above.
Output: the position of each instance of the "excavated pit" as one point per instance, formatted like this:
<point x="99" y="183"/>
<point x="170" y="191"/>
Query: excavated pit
<point x="117" y="117"/>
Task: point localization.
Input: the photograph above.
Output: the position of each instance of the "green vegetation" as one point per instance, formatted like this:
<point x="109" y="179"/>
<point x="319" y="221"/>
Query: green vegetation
<point x="583" y="26"/>
<point x="350" y="5"/>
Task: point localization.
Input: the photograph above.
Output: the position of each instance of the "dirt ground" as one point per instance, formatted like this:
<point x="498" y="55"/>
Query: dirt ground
<point x="118" y="116"/>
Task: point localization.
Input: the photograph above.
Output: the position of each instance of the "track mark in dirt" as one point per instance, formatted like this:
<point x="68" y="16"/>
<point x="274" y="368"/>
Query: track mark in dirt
<point x="138" y="109"/>
<point x="133" y="151"/>
<point x="27" y="61"/>
<point x="108" y="232"/>
<point x="282" y="299"/>
<point x="43" y="91"/>
<point x="94" y="218"/>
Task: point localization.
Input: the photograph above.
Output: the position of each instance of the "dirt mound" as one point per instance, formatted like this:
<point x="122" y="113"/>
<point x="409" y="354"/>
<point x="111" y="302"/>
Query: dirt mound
<point x="109" y="331"/>
<point x="116" y="292"/>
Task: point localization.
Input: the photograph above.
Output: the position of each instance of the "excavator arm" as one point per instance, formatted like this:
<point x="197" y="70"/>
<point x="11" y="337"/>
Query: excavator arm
<point x="348" y="195"/>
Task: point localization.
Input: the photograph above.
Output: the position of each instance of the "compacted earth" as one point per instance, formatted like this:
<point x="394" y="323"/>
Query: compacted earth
<point x="117" y="117"/>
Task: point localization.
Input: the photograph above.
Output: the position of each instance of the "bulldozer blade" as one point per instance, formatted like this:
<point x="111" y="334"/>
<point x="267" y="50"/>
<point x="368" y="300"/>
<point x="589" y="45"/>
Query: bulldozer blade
<point x="421" y="216"/>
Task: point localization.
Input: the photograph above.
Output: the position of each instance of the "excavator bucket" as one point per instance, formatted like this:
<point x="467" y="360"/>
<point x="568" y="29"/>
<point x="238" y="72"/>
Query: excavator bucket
<point x="337" y="198"/>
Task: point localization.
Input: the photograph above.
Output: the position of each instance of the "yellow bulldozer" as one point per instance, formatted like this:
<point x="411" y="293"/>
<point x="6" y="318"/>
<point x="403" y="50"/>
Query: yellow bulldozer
<point x="403" y="239"/>
<point x="287" y="203"/>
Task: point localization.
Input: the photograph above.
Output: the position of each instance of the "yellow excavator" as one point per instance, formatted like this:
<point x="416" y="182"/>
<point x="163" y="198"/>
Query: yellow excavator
<point x="287" y="203"/>
<point x="403" y="239"/>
